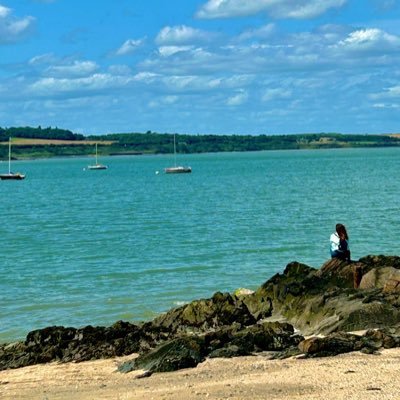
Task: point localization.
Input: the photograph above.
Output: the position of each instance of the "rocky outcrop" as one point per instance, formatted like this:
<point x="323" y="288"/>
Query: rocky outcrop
<point x="325" y="300"/>
<point x="70" y="344"/>
<point x="334" y="300"/>
<point x="342" y="342"/>
<point x="188" y="351"/>
<point x="202" y="315"/>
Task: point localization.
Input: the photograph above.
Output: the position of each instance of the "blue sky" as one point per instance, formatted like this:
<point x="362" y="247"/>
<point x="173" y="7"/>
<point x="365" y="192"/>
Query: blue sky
<point x="201" y="66"/>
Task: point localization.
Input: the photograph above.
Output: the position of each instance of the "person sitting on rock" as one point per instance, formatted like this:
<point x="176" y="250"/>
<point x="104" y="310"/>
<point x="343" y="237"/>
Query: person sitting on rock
<point x="340" y="243"/>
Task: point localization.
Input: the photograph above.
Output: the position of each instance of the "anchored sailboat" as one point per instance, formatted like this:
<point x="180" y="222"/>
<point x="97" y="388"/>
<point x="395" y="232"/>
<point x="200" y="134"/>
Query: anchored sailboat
<point x="177" y="169"/>
<point x="11" y="175"/>
<point x="97" y="165"/>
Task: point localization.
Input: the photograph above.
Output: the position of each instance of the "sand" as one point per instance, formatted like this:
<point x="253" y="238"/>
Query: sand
<point x="347" y="376"/>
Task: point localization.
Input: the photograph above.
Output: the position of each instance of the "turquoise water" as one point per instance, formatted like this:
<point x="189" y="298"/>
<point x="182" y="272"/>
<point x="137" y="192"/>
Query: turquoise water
<point x="85" y="247"/>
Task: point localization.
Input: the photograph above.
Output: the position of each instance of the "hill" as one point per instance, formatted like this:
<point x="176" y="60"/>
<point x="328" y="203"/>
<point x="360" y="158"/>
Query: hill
<point x="31" y="142"/>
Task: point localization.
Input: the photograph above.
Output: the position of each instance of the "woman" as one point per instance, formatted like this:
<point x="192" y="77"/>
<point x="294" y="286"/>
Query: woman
<point x="340" y="243"/>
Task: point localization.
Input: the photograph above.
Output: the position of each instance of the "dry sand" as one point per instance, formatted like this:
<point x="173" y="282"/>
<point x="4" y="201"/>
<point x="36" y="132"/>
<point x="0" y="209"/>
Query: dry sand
<point x="347" y="376"/>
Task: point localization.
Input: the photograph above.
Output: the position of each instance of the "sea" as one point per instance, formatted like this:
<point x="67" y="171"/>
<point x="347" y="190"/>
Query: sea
<point x="81" y="247"/>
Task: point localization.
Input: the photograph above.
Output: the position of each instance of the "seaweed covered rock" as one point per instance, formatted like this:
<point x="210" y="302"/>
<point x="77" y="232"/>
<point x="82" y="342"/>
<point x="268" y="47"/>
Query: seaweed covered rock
<point x="325" y="300"/>
<point x="259" y="305"/>
<point x="70" y="344"/>
<point x="339" y="297"/>
<point x="267" y="336"/>
<point x="185" y="352"/>
<point x="343" y="342"/>
<point x="202" y="315"/>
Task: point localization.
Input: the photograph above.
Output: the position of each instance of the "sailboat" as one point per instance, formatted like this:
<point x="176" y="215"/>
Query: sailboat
<point x="97" y="165"/>
<point x="177" y="169"/>
<point x="11" y="175"/>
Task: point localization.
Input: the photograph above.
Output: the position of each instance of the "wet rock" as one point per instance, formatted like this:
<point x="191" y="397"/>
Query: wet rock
<point x="267" y="336"/>
<point x="202" y="315"/>
<point x="229" y="351"/>
<point x="329" y="301"/>
<point x="334" y="344"/>
<point x="324" y="301"/>
<point x="342" y="342"/>
<point x="70" y="344"/>
<point x="176" y="354"/>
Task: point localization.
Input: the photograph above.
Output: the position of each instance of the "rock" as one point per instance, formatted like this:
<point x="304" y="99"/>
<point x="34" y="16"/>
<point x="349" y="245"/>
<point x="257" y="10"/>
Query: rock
<point x="372" y="261"/>
<point x="202" y="315"/>
<point x="70" y="344"/>
<point x="336" y="343"/>
<point x="330" y="301"/>
<point x="393" y="283"/>
<point x="228" y="352"/>
<point x="340" y="273"/>
<point x="342" y="342"/>
<point x="259" y="305"/>
<point x="267" y="336"/>
<point x="176" y="354"/>
<point x="379" y="277"/>
<point x="324" y="301"/>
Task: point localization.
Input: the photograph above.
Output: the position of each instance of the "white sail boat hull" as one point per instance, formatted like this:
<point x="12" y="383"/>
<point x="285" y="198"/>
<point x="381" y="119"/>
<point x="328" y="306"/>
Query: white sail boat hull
<point x="11" y="175"/>
<point x="177" y="169"/>
<point x="97" y="166"/>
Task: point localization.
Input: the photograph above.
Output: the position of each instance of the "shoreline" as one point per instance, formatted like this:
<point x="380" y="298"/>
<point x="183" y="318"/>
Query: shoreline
<point x="353" y="376"/>
<point x="133" y="153"/>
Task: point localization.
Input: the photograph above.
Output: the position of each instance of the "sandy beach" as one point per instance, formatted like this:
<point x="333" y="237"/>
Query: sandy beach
<point x="347" y="376"/>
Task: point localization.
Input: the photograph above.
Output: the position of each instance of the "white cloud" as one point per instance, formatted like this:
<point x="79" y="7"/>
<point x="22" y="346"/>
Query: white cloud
<point x="41" y="59"/>
<point x="51" y="66"/>
<point x="129" y="46"/>
<point x="389" y="106"/>
<point x="264" y="32"/>
<point x="4" y="11"/>
<point x="387" y="93"/>
<point x="13" y="29"/>
<point x="52" y="86"/>
<point x="370" y="39"/>
<point x="238" y="99"/>
<point x="178" y="35"/>
<point x="76" y="68"/>
<point x="298" y="9"/>
<point x="276" y="93"/>
<point x="166" y="51"/>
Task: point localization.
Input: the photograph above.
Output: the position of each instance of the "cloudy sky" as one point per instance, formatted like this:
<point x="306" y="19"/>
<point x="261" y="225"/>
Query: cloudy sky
<point x="201" y="66"/>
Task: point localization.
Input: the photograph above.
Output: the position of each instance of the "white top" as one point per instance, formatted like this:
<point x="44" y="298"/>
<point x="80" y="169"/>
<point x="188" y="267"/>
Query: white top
<point x="335" y="240"/>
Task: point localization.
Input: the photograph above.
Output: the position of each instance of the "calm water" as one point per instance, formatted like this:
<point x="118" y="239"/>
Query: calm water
<point x="92" y="247"/>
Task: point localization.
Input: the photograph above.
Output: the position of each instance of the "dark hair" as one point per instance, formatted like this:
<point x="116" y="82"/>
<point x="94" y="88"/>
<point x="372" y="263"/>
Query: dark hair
<point x="341" y="231"/>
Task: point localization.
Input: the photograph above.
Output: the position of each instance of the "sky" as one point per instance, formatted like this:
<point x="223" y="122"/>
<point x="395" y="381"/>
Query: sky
<point x="201" y="66"/>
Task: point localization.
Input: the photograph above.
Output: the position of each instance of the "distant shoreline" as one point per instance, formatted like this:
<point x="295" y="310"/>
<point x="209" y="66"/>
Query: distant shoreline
<point x="76" y="150"/>
<point x="35" y="143"/>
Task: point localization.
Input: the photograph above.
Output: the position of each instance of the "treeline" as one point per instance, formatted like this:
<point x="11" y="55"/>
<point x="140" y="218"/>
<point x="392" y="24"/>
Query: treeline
<point x="162" y="143"/>
<point x="151" y="142"/>
<point x="39" y="133"/>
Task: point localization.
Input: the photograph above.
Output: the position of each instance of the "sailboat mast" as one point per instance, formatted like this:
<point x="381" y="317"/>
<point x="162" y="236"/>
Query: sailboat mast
<point x="9" y="155"/>
<point x="96" y="153"/>
<point x="174" y="150"/>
